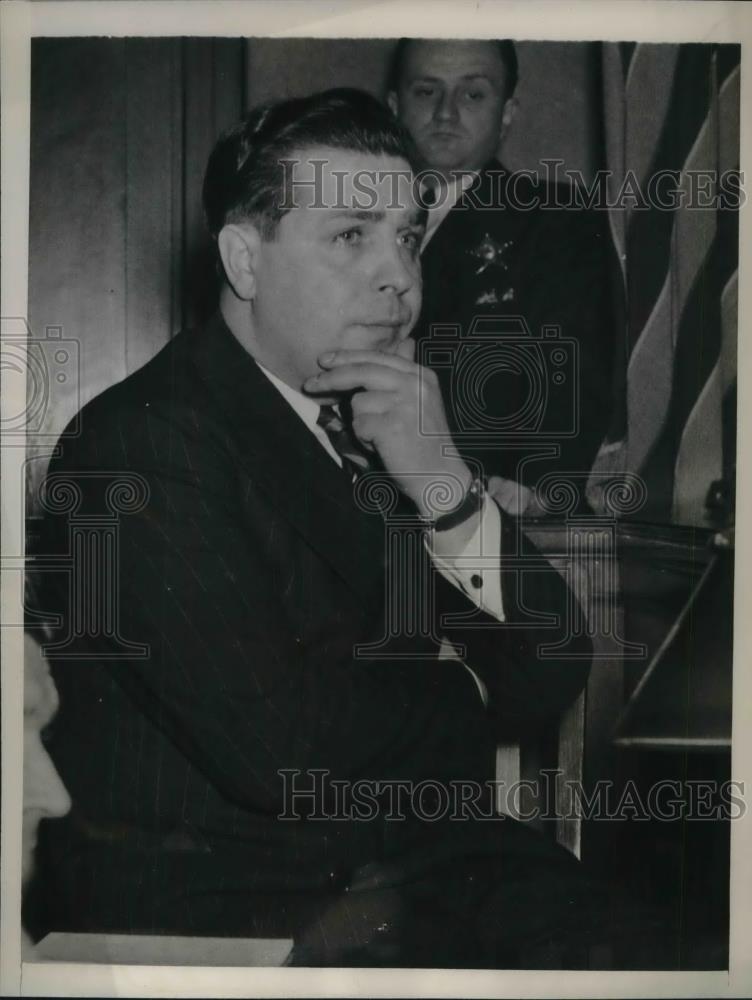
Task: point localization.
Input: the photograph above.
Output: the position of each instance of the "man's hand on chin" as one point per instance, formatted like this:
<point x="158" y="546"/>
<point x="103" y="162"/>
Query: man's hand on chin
<point x="398" y="410"/>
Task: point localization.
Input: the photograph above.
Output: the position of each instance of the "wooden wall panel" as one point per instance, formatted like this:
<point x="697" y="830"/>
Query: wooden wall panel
<point x="293" y="67"/>
<point x="121" y="129"/>
<point x="153" y="195"/>
<point x="77" y="234"/>
<point x="213" y="74"/>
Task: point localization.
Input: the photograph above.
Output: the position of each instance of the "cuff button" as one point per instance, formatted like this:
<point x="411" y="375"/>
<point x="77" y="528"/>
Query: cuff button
<point x="477" y="580"/>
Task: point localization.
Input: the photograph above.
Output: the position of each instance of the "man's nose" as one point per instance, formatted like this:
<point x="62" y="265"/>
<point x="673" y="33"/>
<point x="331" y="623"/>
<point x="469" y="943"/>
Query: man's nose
<point x="43" y="786"/>
<point x="394" y="272"/>
<point x="446" y="107"/>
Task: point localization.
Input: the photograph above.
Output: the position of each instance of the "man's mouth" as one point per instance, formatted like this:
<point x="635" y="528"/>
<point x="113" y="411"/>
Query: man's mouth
<point x="389" y="326"/>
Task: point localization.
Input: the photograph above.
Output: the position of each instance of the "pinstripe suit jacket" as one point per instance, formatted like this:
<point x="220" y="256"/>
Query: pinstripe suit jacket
<point x="250" y="575"/>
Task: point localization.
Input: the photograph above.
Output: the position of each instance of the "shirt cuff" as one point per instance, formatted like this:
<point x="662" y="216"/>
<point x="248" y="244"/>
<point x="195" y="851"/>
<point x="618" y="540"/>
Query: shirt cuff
<point x="476" y="568"/>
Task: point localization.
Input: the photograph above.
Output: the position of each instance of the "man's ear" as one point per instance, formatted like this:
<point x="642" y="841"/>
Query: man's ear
<point x="391" y="100"/>
<point x="508" y="116"/>
<point x="239" y="246"/>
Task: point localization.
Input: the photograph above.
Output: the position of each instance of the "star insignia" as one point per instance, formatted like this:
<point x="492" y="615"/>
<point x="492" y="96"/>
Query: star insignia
<point x="490" y="253"/>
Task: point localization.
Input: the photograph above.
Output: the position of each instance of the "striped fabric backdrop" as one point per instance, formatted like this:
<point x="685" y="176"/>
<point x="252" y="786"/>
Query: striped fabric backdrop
<point x="673" y="108"/>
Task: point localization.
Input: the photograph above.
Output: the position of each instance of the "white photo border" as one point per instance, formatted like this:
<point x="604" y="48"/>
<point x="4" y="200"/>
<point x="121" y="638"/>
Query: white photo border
<point x="616" y="20"/>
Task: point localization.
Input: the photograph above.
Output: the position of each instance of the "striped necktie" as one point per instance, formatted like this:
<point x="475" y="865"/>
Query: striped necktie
<point x="355" y="458"/>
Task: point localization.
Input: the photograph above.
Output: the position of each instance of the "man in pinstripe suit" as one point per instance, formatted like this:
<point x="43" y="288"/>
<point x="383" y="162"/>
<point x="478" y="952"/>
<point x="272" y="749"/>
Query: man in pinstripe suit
<point x="203" y="772"/>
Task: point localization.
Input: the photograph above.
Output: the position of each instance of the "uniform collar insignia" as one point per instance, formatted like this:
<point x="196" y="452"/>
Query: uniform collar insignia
<point x="490" y="253"/>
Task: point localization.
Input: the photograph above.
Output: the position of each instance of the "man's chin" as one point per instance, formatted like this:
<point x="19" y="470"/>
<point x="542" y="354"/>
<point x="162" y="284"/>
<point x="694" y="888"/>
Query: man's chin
<point x="445" y="152"/>
<point x="447" y="166"/>
<point x="387" y="347"/>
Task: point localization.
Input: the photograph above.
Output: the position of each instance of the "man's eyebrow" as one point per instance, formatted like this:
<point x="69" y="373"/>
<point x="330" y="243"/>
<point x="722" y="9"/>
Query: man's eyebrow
<point x="359" y="214"/>
<point x="425" y="78"/>
<point x="417" y="217"/>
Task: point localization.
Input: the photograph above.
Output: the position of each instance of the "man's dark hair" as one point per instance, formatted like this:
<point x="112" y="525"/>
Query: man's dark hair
<point x="506" y="48"/>
<point x="245" y="179"/>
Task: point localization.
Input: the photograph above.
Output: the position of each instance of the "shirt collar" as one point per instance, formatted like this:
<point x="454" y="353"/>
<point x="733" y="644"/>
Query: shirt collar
<point x="438" y="212"/>
<point x="306" y="408"/>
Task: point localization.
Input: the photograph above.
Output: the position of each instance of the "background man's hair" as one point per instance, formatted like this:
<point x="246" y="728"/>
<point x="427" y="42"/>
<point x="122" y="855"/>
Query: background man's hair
<point x="506" y="48"/>
<point x="244" y="178"/>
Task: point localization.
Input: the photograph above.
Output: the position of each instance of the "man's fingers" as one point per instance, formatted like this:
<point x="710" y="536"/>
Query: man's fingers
<point x="336" y="359"/>
<point x="374" y="401"/>
<point x="367" y="376"/>
<point x="367" y="427"/>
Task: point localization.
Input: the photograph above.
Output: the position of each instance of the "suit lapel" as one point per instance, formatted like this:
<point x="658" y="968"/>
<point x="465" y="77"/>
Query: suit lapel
<point x="286" y="462"/>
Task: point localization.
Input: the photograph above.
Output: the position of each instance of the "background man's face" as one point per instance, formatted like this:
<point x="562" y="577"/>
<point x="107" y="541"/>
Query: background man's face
<point x="338" y="276"/>
<point x="452" y="98"/>
<point x="44" y="795"/>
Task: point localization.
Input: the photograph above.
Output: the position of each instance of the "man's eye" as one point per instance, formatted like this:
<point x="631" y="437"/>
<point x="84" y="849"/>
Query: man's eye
<point x="423" y="91"/>
<point x="411" y="240"/>
<point x="350" y="237"/>
<point x="475" y="95"/>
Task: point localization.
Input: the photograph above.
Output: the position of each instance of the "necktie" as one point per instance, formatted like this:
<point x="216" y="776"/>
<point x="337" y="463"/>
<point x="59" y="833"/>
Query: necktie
<point x="355" y="459"/>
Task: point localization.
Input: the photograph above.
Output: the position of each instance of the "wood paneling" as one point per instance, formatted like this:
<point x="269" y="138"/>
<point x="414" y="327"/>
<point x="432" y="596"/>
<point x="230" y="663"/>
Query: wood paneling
<point x="213" y="95"/>
<point x="77" y="229"/>
<point x="152" y="195"/>
<point x="293" y="67"/>
<point x="121" y="130"/>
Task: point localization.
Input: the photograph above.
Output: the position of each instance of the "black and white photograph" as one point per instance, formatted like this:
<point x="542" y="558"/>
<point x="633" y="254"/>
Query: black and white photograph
<point x="370" y="474"/>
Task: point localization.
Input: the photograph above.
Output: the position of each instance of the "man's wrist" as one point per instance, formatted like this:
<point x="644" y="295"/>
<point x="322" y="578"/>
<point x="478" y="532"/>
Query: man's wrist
<point x="470" y="504"/>
<point x="447" y="503"/>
